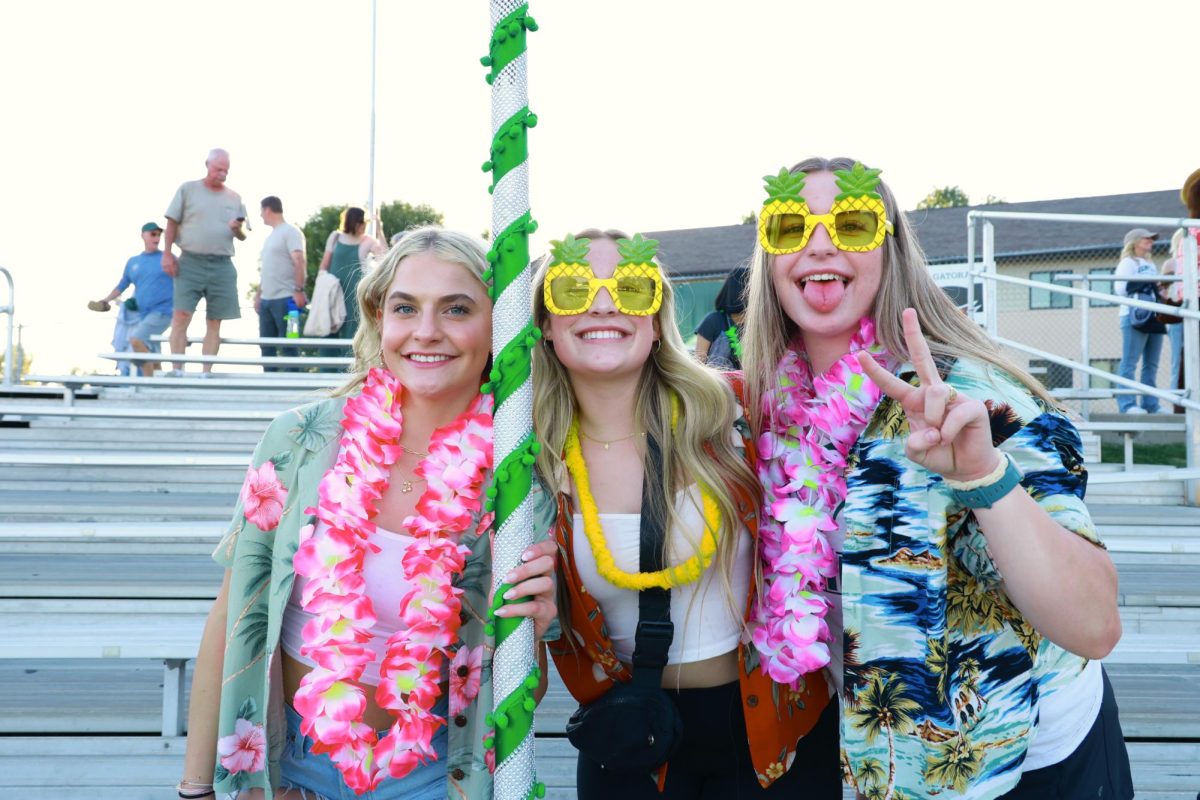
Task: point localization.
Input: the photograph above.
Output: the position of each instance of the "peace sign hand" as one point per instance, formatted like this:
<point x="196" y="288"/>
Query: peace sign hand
<point x="948" y="432"/>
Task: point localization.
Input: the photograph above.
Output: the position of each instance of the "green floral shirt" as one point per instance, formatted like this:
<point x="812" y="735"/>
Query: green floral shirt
<point x="942" y="673"/>
<point x="301" y="446"/>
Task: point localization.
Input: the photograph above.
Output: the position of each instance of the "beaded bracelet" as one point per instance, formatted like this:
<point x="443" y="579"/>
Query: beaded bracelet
<point x="204" y="790"/>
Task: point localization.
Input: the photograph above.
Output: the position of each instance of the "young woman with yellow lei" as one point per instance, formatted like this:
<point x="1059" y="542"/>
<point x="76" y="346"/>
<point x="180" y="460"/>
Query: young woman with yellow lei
<point x="612" y="378"/>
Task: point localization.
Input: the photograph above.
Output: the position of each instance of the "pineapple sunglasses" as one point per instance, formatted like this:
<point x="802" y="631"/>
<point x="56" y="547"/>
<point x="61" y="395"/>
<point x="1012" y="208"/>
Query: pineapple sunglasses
<point x="635" y="289"/>
<point x="856" y="225"/>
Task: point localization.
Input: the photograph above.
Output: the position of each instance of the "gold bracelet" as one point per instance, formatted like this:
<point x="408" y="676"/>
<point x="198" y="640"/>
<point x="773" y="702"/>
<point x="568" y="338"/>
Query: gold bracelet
<point x="987" y="480"/>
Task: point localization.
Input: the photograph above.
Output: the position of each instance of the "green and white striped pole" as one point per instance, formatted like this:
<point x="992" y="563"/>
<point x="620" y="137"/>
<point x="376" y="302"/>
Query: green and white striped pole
<point x="514" y="668"/>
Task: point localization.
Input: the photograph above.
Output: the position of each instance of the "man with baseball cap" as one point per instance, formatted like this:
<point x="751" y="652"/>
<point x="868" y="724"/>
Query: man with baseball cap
<point x="152" y="296"/>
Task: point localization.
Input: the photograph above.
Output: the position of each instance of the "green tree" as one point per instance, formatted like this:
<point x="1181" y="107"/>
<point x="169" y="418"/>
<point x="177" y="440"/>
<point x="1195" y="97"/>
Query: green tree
<point x="945" y="197"/>
<point x="884" y="709"/>
<point x="396" y="216"/>
<point x="954" y="763"/>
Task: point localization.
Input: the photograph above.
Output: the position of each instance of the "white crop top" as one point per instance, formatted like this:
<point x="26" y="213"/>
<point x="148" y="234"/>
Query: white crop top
<point x="705" y="624"/>
<point x="386" y="587"/>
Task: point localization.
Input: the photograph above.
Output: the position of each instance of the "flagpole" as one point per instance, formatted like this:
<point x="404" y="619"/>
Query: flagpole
<point x="371" y="167"/>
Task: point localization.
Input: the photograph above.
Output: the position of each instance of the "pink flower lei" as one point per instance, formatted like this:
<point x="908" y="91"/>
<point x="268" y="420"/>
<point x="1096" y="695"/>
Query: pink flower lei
<point x="330" y="702"/>
<point x="811" y="424"/>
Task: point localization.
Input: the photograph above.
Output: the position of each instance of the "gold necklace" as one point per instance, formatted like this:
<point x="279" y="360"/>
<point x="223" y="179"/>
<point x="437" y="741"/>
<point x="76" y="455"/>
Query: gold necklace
<point x="610" y="441"/>
<point x="412" y="452"/>
<point x="687" y="572"/>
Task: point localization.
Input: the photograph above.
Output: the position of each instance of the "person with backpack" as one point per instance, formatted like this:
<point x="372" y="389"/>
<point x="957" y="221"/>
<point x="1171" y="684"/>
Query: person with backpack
<point x="1141" y="332"/>
<point x="718" y="336"/>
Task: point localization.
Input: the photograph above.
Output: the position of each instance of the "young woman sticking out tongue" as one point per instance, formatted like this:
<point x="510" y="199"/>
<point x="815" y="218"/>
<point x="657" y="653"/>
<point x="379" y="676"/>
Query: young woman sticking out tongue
<point x="923" y="529"/>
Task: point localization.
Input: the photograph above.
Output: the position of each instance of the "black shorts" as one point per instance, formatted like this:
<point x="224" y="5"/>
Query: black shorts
<point x="1099" y="767"/>
<point x="714" y="758"/>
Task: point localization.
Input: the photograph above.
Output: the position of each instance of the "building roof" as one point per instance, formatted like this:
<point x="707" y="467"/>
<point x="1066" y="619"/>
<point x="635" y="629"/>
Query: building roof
<point x="942" y="232"/>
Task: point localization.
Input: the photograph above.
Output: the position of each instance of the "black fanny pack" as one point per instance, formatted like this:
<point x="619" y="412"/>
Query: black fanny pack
<point x="635" y="727"/>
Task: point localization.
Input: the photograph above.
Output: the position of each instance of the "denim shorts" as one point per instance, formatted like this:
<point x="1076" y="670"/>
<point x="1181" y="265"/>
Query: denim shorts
<point x="150" y="324"/>
<point x="319" y="779"/>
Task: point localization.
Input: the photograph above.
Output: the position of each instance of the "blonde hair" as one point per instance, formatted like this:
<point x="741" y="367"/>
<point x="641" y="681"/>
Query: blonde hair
<point x="451" y="246"/>
<point x="905" y="282"/>
<point x="699" y="448"/>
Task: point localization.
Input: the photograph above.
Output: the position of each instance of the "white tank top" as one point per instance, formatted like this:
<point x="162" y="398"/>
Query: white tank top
<point x="386" y="587"/>
<point x="705" y="624"/>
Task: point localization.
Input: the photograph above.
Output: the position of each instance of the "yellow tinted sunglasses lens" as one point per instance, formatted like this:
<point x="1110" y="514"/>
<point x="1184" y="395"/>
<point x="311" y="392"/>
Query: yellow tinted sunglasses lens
<point x="636" y="293"/>
<point x="569" y="292"/>
<point x="856" y="228"/>
<point x="786" y="231"/>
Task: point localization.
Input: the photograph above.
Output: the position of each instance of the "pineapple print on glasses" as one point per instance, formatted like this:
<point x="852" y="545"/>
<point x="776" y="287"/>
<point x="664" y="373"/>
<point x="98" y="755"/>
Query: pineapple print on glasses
<point x="635" y="286"/>
<point x="856" y="223"/>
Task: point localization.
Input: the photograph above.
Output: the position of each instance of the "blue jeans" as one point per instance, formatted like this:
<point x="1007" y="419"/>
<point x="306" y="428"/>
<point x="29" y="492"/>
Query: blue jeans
<point x="1139" y="346"/>
<point x="272" y="322"/>
<point x="320" y="779"/>
<point x="1175" y="342"/>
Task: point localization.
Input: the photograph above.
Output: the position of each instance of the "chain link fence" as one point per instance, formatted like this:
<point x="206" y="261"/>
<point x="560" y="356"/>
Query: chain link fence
<point x="1080" y="329"/>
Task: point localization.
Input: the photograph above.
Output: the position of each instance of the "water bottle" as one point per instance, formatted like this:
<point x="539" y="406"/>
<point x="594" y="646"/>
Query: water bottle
<point x="292" y="318"/>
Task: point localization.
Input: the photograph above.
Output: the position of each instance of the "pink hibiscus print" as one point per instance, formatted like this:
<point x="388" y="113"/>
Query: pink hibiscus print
<point x="244" y="750"/>
<point x="465" y="670"/>
<point x="263" y="497"/>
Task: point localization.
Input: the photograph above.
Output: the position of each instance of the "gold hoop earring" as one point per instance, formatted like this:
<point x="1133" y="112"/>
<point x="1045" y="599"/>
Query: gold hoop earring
<point x="654" y="348"/>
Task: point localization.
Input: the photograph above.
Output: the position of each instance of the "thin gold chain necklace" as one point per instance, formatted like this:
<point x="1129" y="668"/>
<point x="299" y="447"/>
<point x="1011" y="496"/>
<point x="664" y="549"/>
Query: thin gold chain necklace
<point x="610" y="441"/>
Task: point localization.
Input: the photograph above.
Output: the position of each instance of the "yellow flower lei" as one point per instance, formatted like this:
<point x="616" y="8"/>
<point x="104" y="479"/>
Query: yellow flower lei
<point x="681" y="574"/>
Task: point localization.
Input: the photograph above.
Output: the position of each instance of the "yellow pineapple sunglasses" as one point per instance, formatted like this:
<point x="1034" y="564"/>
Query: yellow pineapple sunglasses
<point x="856" y="225"/>
<point x="635" y="289"/>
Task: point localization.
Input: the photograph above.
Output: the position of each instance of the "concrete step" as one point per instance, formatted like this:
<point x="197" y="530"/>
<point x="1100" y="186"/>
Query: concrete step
<point x="130" y="575"/>
<point x="1165" y="649"/>
<point x="1119" y="517"/>
<point x="1154" y="620"/>
<point x="101" y="538"/>
<point x="39" y="504"/>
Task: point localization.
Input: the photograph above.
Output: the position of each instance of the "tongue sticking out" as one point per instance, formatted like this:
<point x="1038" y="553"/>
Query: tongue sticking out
<point x="824" y="296"/>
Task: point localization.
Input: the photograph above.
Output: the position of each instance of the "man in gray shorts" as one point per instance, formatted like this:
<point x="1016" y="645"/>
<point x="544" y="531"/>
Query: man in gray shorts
<point x="204" y="218"/>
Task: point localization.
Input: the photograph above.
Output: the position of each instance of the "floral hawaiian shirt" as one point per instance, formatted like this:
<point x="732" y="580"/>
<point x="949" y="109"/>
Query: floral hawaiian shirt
<point x="942" y="672"/>
<point x="299" y="447"/>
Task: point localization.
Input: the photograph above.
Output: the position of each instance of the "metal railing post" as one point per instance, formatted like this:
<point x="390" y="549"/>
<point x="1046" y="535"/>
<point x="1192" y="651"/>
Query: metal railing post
<point x="989" y="285"/>
<point x="1191" y="370"/>
<point x="971" y="271"/>
<point x="10" y="310"/>
<point x="1085" y="350"/>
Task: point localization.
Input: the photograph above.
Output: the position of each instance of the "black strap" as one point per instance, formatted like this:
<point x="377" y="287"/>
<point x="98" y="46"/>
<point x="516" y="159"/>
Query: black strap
<point x="654" y="630"/>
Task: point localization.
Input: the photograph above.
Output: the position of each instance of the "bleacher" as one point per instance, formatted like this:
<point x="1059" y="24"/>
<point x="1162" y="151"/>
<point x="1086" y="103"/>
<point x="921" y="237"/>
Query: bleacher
<point x="113" y="491"/>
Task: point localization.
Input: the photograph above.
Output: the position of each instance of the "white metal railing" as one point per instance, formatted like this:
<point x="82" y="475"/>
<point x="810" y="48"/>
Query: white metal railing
<point x="980" y="228"/>
<point x="10" y="310"/>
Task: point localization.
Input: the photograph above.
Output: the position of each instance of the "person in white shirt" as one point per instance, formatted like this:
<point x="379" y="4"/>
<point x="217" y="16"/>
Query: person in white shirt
<point x="1137" y="345"/>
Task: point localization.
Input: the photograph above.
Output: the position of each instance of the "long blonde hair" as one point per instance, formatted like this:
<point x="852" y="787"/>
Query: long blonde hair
<point x="451" y="246"/>
<point x="905" y="283"/>
<point x="697" y="449"/>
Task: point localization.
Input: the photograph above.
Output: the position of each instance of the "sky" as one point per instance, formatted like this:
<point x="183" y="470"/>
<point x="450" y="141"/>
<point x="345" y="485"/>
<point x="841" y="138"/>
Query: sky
<point x="653" y="115"/>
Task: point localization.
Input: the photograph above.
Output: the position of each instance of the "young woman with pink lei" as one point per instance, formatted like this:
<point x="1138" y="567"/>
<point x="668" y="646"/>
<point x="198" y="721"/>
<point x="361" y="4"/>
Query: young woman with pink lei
<point x="924" y="531"/>
<point x="346" y="653"/>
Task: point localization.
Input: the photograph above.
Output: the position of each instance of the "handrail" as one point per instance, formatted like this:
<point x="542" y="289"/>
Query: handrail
<point x="985" y="269"/>
<point x="10" y="310"/>
<point x="279" y="341"/>
<point x="1163" y="308"/>
<point x="1089" y="219"/>
<point x="1162" y="394"/>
